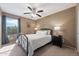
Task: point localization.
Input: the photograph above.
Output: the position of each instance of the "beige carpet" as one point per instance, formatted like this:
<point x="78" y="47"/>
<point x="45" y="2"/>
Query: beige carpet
<point x="51" y="50"/>
<point x="48" y="50"/>
<point x="11" y="50"/>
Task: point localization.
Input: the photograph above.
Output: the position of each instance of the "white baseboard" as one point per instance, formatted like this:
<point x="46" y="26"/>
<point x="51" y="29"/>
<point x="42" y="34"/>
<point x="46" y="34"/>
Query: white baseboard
<point x="70" y="47"/>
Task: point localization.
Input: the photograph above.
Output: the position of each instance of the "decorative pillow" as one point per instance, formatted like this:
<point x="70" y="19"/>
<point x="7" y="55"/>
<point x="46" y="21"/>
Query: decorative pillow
<point x="42" y="32"/>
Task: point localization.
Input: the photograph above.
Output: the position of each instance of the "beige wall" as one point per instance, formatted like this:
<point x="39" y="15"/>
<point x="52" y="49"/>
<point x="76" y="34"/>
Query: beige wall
<point x="77" y="33"/>
<point x="65" y="19"/>
<point x="0" y="28"/>
<point x="27" y="25"/>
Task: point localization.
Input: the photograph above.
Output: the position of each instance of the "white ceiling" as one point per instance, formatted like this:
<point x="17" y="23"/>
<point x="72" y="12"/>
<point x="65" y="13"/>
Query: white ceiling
<point x="49" y="8"/>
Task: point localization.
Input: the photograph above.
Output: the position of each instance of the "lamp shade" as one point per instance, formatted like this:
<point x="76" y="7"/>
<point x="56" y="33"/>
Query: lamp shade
<point x="36" y="28"/>
<point x="56" y="28"/>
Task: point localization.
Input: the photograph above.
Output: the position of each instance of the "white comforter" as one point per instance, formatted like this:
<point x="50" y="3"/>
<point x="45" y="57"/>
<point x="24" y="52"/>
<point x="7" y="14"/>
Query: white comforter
<point x="36" y="41"/>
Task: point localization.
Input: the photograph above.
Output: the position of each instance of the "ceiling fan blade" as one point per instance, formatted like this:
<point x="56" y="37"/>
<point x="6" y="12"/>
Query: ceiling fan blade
<point x="40" y="11"/>
<point x="27" y="13"/>
<point x="38" y="15"/>
<point x="30" y="8"/>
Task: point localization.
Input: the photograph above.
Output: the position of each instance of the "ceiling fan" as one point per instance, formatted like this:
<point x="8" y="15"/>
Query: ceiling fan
<point x="34" y="12"/>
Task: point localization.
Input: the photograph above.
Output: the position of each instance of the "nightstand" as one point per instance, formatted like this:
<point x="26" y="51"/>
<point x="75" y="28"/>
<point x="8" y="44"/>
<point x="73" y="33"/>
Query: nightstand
<point x="57" y="40"/>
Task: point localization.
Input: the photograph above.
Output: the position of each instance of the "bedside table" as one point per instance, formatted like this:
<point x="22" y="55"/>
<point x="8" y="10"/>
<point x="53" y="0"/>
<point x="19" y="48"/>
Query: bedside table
<point x="57" y="40"/>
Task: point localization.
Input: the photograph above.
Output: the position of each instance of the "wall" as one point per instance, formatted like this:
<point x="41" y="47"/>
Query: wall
<point x="27" y="25"/>
<point x="77" y="33"/>
<point x="66" y="20"/>
<point x="0" y="28"/>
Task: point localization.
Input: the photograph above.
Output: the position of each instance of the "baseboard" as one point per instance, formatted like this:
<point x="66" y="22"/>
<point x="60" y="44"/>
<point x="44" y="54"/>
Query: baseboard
<point x="70" y="47"/>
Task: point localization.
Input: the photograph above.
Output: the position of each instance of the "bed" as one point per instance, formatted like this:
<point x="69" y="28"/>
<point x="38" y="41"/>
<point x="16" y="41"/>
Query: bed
<point x="31" y="42"/>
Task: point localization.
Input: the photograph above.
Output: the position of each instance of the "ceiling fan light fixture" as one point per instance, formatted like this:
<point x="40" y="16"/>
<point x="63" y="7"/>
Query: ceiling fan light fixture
<point x="33" y="15"/>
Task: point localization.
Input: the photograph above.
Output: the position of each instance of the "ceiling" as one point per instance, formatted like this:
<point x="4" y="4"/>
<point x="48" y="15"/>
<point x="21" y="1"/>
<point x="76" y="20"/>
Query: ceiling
<point x="49" y="8"/>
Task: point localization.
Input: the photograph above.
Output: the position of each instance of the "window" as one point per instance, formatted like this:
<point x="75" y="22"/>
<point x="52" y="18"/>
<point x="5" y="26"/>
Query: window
<point x="11" y="27"/>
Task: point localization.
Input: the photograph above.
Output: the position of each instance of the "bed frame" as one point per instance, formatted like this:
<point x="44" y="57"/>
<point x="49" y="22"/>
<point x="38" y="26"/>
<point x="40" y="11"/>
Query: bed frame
<point x="25" y="38"/>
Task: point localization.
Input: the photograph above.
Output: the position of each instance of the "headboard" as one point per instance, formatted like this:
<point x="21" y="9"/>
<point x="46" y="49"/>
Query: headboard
<point x="51" y="31"/>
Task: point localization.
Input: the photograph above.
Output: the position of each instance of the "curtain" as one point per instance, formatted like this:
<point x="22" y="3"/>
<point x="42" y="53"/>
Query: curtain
<point x="19" y="23"/>
<point x="4" y="36"/>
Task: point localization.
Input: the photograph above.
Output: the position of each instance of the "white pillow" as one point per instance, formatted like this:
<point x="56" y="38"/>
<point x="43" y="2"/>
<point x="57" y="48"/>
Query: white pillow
<point x="42" y="32"/>
<point x="48" y="32"/>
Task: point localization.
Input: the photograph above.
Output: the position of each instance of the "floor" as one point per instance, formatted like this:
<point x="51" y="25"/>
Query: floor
<point x="11" y="50"/>
<point x="48" y="50"/>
